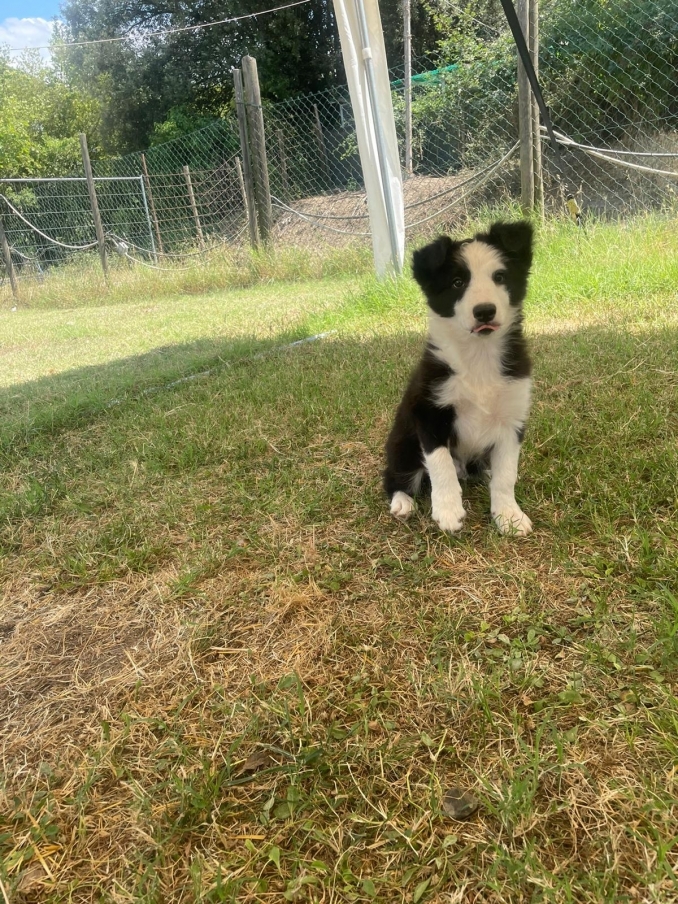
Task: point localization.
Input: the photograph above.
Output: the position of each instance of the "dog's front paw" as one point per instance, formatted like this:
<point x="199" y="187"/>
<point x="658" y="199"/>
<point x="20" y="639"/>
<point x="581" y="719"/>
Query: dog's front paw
<point x="449" y="515"/>
<point x="402" y="505"/>
<point x="512" y="521"/>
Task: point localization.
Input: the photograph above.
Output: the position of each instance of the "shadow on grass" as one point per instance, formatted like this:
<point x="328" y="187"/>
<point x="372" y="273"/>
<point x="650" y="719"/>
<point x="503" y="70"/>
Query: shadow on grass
<point x="67" y="400"/>
<point x="600" y="444"/>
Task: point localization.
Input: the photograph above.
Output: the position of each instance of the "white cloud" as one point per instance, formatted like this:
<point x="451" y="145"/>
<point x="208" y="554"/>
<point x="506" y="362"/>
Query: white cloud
<point x="30" y="32"/>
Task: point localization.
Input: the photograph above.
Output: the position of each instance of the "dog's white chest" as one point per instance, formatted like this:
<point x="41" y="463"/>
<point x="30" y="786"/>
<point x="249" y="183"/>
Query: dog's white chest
<point x="486" y="408"/>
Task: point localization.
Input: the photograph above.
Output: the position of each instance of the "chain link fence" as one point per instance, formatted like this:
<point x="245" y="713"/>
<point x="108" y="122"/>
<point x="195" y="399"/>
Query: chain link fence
<point x="608" y="71"/>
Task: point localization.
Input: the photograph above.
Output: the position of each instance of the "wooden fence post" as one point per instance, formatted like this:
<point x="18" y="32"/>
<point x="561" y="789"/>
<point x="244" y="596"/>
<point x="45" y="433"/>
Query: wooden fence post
<point x="151" y="204"/>
<point x="248" y="182"/>
<point x="525" y="117"/>
<point x="194" y="207"/>
<point x="98" y="227"/>
<point x="255" y="122"/>
<point x="243" y="192"/>
<point x="7" y="257"/>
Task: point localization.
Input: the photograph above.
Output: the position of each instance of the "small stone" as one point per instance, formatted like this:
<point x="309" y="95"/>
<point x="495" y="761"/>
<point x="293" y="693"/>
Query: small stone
<point x="459" y="804"/>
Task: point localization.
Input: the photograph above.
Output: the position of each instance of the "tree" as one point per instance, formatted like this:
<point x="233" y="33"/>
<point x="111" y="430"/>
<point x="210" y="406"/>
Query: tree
<point x="153" y="87"/>
<point x="40" y="118"/>
<point x="144" y="79"/>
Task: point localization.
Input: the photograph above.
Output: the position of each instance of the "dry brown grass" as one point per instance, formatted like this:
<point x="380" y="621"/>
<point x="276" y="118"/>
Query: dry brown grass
<point x="196" y="674"/>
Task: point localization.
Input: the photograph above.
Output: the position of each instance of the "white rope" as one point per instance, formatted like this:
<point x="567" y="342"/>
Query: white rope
<point x="23" y="256"/>
<point x="323" y="216"/>
<point x="279" y="203"/>
<point x="220" y="244"/>
<point x="201" y="263"/>
<point x="448" y="191"/>
<point x="166" y="31"/>
<point x="162" y="269"/>
<point x="568" y="142"/>
<point x="589" y="147"/>
<point x="491" y="172"/>
<point x="177" y="254"/>
<point x="39" y="232"/>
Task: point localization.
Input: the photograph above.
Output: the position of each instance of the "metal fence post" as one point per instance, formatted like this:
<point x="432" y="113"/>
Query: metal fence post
<point x="7" y="257"/>
<point x="533" y="45"/>
<point x="148" y="218"/>
<point x="101" y="238"/>
<point x="255" y="121"/>
<point x="525" y="117"/>
<point x="248" y="183"/>
<point x="407" y="49"/>
<point x="194" y="207"/>
<point x="283" y="164"/>
<point x="149" y="194"/>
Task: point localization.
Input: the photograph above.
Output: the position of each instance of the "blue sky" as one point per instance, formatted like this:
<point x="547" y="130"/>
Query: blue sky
<point x="21" y="9"/>
<point x="26" y="23"/>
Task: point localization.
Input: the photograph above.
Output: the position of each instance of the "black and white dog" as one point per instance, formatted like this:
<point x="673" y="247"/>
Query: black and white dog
<point x="468" y="400"/>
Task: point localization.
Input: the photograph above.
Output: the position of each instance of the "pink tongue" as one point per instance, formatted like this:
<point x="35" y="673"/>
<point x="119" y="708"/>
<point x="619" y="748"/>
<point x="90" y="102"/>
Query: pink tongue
<point x="484" y="326"/>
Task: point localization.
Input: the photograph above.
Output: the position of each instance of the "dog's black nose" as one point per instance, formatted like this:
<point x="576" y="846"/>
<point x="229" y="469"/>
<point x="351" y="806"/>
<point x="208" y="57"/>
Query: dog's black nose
<point x="484" y="313"/>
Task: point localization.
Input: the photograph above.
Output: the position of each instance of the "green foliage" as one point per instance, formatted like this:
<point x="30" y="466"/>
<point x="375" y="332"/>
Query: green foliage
<point x="607" y="69"/>
<point x="458" y="114"/>
<point x="180" y="121"/>
<point x="611" y="67"/>
<point x="155" y="89"/>
<point x="40" y="118"/>
<point x="150" y="89"/>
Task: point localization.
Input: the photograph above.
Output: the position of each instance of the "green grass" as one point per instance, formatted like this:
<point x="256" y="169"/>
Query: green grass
<point x="229" y="675"/>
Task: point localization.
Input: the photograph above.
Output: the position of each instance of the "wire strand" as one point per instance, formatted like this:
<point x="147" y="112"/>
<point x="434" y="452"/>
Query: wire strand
<point x="466" y="194"/>
<point x="448" y="191"/>
<point x="165" y="31"/>
<point x="588" y="147"/>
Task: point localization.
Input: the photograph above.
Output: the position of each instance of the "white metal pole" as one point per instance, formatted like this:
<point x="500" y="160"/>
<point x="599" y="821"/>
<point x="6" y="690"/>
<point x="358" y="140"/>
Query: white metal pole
<point x="148" y="217"/>
<point x="407" y="50"/>
<point x="536" y="134"/>
<point x="379" y="134"/>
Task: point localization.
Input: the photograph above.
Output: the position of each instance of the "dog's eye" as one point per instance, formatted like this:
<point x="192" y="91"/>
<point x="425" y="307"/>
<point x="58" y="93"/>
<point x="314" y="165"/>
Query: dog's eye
<point x="458" y="282"/>
<point x="499" y="277"/>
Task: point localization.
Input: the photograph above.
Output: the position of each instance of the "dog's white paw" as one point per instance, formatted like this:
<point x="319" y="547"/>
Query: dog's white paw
<point x="402" y="505"/>
<point x="512" y="521"/>
<point x="449" y="516"/>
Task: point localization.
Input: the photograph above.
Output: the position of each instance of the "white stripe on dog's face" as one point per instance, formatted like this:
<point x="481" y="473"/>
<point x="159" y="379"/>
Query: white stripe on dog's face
<point x="486" y="287"/>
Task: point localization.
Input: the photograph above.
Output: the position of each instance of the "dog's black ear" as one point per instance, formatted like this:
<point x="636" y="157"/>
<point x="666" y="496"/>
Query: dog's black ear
<point x="513" y="238"/>
<point x="430" y="262"/>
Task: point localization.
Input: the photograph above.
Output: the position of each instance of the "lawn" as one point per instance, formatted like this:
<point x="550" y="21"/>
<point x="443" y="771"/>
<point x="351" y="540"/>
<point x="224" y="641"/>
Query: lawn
<point x="227" y="674"/>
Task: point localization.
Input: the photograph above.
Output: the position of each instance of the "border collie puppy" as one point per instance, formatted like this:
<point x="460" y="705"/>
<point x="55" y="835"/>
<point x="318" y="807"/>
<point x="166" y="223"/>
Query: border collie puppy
<point x="466" y="405"/>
